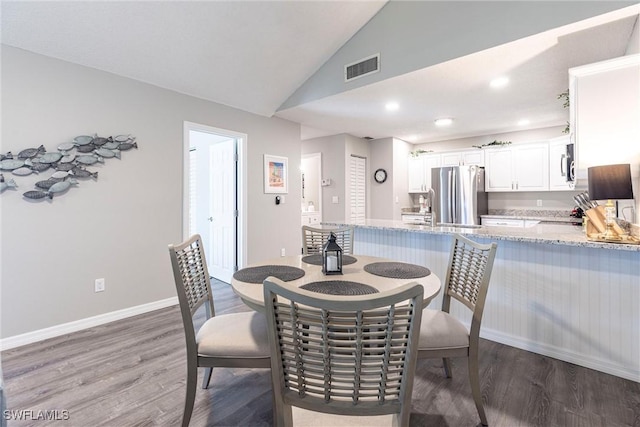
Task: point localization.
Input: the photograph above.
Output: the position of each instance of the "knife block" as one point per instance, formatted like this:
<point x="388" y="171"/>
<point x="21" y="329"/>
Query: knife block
<point x="597" y="224"/>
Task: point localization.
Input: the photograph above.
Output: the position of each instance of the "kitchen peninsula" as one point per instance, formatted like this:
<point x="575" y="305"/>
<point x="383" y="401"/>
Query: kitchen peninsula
<point x="552" y="292"/>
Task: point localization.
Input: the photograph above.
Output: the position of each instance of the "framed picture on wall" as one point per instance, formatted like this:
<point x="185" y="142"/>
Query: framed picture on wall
<point x="276" y="174"/>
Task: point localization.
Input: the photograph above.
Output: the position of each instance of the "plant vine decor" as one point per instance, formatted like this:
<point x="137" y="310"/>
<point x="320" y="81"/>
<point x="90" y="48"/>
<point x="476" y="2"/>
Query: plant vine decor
<point x="492" y="144"/>
<point x="419" y="152"/>
<point x="565" y="97"/>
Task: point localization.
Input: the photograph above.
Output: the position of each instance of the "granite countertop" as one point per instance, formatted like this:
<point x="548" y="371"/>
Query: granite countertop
<point x="544" y="233"/>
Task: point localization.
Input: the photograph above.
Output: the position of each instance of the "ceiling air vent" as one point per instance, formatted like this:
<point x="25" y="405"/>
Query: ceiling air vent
<point x="362" y="67"/>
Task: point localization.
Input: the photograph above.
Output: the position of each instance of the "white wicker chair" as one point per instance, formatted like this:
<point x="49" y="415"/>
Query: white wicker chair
<point x="442" y="335"/>
<point x="341" y="355"/>
<point x="314" y="238"/>
<point x="231" y="340"/>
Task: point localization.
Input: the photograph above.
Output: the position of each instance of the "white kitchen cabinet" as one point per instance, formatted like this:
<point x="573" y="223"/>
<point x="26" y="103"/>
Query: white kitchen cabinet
<point x="559" y="170"/>
<point x="419" y="172"/>
<point x="503" y="222"/>
<point x="604" y="109"/>
<point x="460" y="158"/>
<point x="523" y="167"/>
<point x="311" y="218"/>
<point x="509" y="222"/>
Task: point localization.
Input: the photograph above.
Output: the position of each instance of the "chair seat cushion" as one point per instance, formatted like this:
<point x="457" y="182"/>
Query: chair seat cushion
<point x="234" y="335"/>
<point x="440" y="330"/>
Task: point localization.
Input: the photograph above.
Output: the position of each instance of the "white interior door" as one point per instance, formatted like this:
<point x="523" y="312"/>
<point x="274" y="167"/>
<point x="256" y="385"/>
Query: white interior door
<point x="222" y="209"/>
<point x="213" y="191"/>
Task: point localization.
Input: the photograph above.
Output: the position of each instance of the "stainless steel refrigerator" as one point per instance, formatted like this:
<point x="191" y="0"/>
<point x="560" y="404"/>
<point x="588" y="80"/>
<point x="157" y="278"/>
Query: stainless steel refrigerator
<point x="459" y="196"/>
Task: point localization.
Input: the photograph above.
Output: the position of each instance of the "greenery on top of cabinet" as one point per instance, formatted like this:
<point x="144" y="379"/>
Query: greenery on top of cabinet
<point x="418" y="152"/>
<point x="493" y="143"/>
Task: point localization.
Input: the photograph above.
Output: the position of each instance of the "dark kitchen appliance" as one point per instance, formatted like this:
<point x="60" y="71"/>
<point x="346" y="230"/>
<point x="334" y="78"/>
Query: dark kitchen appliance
<point x="570" y="163"/>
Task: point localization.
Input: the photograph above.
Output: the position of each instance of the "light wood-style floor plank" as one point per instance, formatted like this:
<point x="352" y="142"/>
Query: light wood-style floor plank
<point x="132" y="373"/>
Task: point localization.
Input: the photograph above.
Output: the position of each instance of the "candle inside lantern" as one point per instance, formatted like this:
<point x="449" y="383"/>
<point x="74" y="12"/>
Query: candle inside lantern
<point x="332" y="263"/>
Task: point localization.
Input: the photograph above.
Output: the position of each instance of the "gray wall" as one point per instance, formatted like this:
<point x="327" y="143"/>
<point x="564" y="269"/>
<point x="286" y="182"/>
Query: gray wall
<point x="381" y="194"/>
<point x="402" y="199"/>
<point x="117" y="227"/>
<point x="388" y="198"/>
<point x="336" y="151"/>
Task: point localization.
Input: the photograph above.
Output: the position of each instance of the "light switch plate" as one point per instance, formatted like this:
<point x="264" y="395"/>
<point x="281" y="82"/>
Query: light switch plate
<point x="335" y="199"/>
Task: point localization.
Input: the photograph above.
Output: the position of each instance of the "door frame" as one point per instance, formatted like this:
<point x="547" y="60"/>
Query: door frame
<point x="241" y="187"/>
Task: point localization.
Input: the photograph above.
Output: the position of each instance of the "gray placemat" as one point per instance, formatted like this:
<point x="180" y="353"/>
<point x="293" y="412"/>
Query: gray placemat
<point x="259" y="273"/>
<point x="397" y="270"/>
<point x="316" y="259"/>
<point x="340" y="287"/>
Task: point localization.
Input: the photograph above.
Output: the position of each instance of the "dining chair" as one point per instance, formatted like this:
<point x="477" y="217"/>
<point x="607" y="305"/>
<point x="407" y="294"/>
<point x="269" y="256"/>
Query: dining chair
<point x="444" y="336"/>
<point x="338" y="356"/>
<point x="314" y="238"/>
<point x="232" y="340"/>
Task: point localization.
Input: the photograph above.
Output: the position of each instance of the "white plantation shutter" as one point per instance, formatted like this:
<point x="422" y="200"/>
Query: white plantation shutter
<point x="357" y="189"/>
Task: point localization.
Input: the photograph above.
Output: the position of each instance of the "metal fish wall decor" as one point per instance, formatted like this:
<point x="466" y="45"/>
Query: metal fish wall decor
<point x="68" y="162"/>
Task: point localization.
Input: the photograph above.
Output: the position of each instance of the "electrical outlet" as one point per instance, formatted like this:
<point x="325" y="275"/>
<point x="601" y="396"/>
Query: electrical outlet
<point x="539" y="203"/>
<point x="99" y="285"/>
<point x="282" y="252"/>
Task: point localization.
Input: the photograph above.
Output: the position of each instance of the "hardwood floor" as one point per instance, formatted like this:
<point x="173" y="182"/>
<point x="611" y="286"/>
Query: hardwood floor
<point x="132" y="373"/>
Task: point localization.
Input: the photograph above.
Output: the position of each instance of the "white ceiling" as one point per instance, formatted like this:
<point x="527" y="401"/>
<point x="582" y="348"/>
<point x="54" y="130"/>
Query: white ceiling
<point x="254" y="55"/>
<point x="248" y="55"/>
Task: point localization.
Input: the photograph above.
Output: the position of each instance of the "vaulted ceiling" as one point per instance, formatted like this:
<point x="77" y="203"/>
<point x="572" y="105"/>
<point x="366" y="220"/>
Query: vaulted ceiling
<point x="254" y="56"/>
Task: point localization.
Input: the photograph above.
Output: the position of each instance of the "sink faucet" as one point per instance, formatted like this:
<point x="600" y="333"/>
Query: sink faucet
<point x="428" y="201"/>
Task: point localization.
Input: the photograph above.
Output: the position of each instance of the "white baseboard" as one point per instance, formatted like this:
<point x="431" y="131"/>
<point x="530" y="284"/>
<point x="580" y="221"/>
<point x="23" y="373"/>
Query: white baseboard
<point x="601" y="365"/>
<point x="77" y="325"/>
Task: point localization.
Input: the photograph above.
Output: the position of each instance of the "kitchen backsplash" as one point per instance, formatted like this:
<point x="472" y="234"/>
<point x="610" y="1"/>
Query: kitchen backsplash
<point x="531" y="212"/>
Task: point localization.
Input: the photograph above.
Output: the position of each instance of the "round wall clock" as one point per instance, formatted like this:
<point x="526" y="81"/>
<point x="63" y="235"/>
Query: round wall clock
<point x="380" y="175"/>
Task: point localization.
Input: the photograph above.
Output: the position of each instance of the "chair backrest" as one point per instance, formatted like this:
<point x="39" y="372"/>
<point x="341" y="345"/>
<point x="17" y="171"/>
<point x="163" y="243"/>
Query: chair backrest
<point x="343" y="355"/>
<point x="314" y="238"/>
<point x="468" y="274"/>
<point x="192" y="283"/>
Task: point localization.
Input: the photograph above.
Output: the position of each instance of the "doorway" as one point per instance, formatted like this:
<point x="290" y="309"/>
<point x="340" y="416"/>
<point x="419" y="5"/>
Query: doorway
<point x="211" y="198"/>
<point x="311" y="170"/>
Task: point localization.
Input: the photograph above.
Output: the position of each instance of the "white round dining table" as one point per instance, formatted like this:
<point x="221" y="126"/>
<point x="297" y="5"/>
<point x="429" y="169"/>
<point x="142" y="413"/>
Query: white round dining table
<point x="252" y="293"/>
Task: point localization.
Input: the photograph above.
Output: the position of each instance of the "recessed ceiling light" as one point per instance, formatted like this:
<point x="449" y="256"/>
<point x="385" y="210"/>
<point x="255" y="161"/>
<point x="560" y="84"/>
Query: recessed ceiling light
<point x="392" y="106"/>
<point x="499" y="82"/>
<point x="443" y="122"/>
<point x="523" y="122"/>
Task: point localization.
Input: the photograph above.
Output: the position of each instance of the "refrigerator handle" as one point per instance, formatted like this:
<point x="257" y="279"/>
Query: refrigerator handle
<point x="454" y="193"/>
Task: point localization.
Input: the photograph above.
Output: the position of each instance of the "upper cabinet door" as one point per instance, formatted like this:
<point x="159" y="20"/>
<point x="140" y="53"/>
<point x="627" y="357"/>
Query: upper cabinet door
<point x="459" y="158"/>
<point x="473" y="157"/>
<point x="605" y="107"/>
<point x="419" y="172"/>
<point x="531" y="167"/>
<point x="415" y="168"/>
<point x="499" y="170"/>
<point x="523" y="167"/>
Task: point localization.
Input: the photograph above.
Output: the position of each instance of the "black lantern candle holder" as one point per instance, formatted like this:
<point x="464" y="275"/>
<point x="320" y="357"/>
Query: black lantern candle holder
<point x="331" y="256"/>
